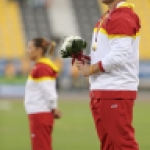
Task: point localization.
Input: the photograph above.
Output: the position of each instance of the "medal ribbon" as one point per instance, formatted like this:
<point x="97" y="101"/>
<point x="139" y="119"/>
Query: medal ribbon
<point x="101" y="21"/>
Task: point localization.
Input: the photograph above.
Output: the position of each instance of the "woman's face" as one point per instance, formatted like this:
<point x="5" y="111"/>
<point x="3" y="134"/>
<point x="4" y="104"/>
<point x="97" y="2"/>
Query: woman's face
<point x="32" y="51"/>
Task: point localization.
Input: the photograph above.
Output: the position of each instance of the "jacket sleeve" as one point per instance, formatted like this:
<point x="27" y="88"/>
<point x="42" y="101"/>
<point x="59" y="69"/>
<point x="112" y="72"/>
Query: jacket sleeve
<point x="47" y="82"/>
<point x="48" y="88"/>
<point x="119" y="53"/>
<point x="121" y="33"/>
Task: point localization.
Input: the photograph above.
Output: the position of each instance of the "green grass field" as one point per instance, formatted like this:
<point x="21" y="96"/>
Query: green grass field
<point x="75" y="131"/>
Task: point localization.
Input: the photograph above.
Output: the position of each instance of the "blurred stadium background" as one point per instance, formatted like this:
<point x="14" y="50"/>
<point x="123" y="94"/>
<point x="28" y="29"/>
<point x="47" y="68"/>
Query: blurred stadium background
<point x="22" y="20"/>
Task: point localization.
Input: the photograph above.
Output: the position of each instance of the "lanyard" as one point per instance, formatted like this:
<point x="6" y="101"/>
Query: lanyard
<point x="101" y="21"/>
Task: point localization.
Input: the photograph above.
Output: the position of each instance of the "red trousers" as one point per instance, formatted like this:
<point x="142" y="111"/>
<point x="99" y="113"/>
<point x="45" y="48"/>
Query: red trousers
<point x="41" y="125"/>
<point x="113" y="121"/>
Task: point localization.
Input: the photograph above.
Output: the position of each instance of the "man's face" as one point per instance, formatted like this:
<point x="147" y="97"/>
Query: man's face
<point x="107" y="1"/>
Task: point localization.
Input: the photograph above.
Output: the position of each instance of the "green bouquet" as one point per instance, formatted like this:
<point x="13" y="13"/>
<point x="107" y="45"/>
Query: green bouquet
<point x="72" y="45"/>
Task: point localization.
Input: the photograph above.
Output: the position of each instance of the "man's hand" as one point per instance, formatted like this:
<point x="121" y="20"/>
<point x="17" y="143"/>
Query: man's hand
<point x="87" y="69"/>
<point x="57" y="113"/>
<point x="84" y="68"/>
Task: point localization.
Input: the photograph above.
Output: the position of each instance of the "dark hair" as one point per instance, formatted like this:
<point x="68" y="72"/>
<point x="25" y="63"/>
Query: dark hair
<point x="42" y="43"/>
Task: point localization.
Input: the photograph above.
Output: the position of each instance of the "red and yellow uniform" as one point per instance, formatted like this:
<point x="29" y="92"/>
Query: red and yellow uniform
<point x="40" y="100"/>
<point x="113" y="90"/>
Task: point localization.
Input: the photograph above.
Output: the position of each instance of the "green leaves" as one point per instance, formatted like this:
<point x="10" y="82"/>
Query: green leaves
<point x="72" y="45"/>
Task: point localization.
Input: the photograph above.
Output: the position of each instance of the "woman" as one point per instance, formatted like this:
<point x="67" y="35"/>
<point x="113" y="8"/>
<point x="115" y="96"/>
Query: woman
<point x="41" y="95"/>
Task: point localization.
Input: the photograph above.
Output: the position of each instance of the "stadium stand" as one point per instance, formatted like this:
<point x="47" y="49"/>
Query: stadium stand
<point x="143" y="9"/>
<point x="11" y="33"/>
<point x="62" y="18"/>
<point x="87" y="13"/>
<point x="35" y="20"/>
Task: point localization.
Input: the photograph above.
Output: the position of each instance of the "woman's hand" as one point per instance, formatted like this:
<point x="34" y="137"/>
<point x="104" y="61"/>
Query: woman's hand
<point x="57" y="113"/>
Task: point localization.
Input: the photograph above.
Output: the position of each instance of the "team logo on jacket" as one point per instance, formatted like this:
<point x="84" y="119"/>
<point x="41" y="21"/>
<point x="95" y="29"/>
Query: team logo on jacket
<point x="114" y="106"/>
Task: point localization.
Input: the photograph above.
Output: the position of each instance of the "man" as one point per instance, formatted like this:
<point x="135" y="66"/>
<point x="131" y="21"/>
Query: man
<point x="113" y="75"/>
